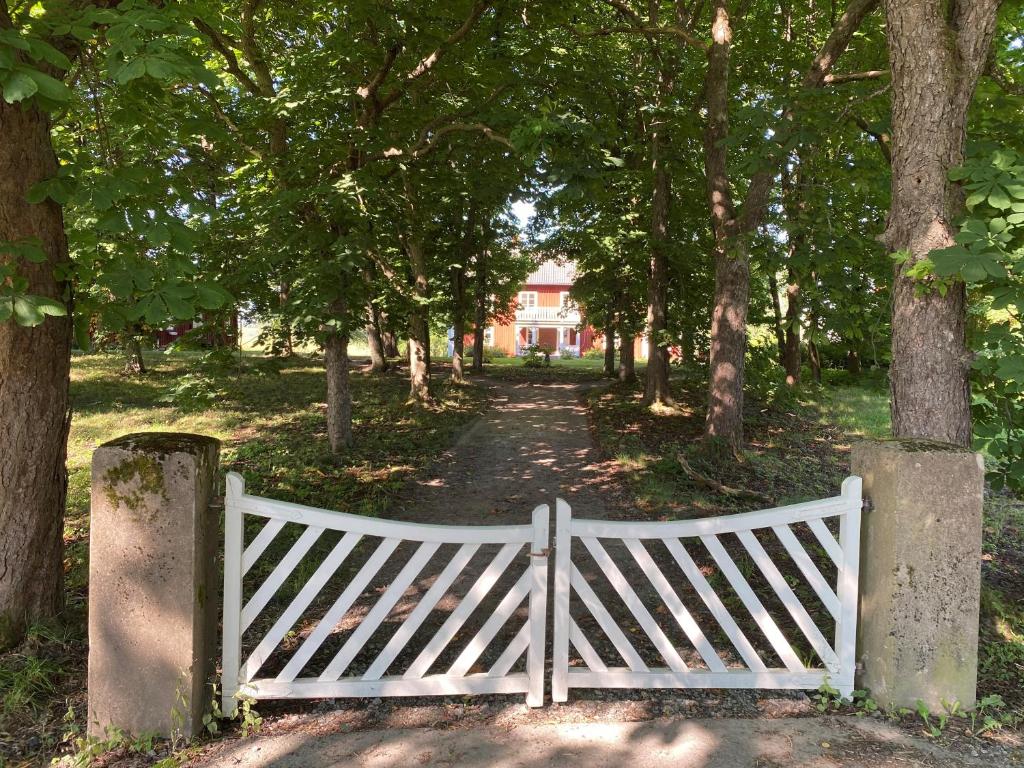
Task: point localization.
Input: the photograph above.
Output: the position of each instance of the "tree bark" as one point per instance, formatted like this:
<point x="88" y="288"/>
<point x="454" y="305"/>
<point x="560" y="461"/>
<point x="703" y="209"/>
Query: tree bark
<point x="419" y="327"/>
<point x="134" y="364"/>
<point x="815" y="360"/>
<point x="480" y="310"/>
<point x="937" y="52"/>
<point x="378" y="360"/>
<point x="656" y="388"/>
<point x="387" y="337"/>
<point x="780" y="336"/>
<point x="339" y="394"/>
<point x="791" y="354"/>
<point x="728" y="344"/>
<point x="458" y="323"/>
<point x="609" y="344"/>
<point x="627" y="358"/>
<point x="34" y="380"/>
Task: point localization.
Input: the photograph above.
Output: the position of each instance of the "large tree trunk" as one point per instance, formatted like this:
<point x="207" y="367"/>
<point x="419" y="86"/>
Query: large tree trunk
<point x="459" y="323"/>
<point x="656" y="389"/>
<point x="937" y="51"/>
<point x="134" y="364"/>
<point x="780" y="336"/>
<point x="419" y="327"/>
<point x="34" y="379"/>
<point x="387" y="338"/>
<point x="480" y="310"/>
<point x="791" y="351"/>
<point x="339" y="395"/>
<point x="609" y="344"/>
<point x="627" y="357"/>
<point x="728" y="344"/>
<point x="378" y="360"/>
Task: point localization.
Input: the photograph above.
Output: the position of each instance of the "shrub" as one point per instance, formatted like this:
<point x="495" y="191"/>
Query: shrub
<point x="593" y="354"/>
<point x="567" y="353"/>
<point x="537" y="357"/>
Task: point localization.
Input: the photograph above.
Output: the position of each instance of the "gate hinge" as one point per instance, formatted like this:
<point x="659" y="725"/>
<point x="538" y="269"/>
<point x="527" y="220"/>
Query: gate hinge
<point x="543" y="553"/>
<point x="866" y="505"/>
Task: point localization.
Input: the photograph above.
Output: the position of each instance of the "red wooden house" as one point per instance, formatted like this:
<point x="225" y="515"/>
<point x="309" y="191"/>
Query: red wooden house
<point x="545" y="317"/>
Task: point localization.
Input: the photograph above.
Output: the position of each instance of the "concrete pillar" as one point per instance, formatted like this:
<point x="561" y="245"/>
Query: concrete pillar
<point x="153" y="593"/>
<point x="920" y="573"/>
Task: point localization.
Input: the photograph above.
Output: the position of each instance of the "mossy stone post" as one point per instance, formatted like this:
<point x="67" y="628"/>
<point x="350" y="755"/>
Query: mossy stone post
<point x="153" y="580"/>
<point x="920" y="572"/>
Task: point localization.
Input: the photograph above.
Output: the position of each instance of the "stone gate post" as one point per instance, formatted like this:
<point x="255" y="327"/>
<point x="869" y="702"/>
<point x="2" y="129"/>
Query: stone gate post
<point x="152" y="583"/>
<point x="920" y="573"/>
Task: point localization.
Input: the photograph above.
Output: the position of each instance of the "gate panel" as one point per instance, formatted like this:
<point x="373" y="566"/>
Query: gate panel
<point x="776" y="556"/>
<point x="353" y="583"/>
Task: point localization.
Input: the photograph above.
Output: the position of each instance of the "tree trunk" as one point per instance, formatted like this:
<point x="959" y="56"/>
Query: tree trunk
<point x="458" y="324"/>
<point x="791" y="354"/>
<point x="815" y="360"/>
<point x="378" y="360"/>
<point x="937" y="51"/>
<point x="480" y="315"/>
<point x="656" y="389"/>
<point x="627" y="357"/>
<point x="339" y="395"/>
<point x="34" y="379"/>
<point x="728" y="344"/>
<point x="134" y="364"/>
<point x="387" y="338"/>
<point x="780" y="336"/>
<point x="419" y="327"/>
<point x="609" y="344"/>
<point x="853" y="362"/>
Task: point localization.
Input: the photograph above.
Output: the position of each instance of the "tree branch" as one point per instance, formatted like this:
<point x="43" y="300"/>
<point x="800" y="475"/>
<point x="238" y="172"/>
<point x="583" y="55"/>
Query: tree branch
<point x="850" y="77"/>
<point x="427" y="63"/>
<point x="223" y="45"/>
<point x="838" y="41"/>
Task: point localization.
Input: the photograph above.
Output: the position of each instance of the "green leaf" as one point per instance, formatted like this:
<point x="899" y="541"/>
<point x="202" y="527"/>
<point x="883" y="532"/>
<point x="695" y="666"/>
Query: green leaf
<point x="973" y="272"/>
<point x="211" y="296"/>
<point x="30" y="311"/>
<point x="19" y="86"/>
<point x="133" y="70"/>
<point x="999" y="199"/>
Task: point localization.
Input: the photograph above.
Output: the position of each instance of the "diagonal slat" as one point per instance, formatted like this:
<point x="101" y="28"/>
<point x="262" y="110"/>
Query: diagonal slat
<point x="278" y="576"/>
<point x="827" y="541"/>
<point x="757" y="611"/>
<point x="502" y="613"/>
<point x="790" y="600"/>
<point x="585" y="649"/>
<point x="337" y="610"/>
<point x="675" y="606"/>
<point x="260" y="543"/>
<point x="376" y="615"/>
<point x="634" y="604"/>
<point x="484" y="583"/>
<point x="715" y="605"/>
<point x="608" y="625"/>
<point x="294" y="611"/>
<point x="512" y="653"/>
<point x="808" y="569"/>
<point x="412" y="622"/>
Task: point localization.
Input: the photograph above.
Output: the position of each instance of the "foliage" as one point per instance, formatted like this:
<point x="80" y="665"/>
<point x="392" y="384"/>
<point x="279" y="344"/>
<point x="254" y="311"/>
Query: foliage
<point x="988" y="256"/>
<point x="537" y="357"/>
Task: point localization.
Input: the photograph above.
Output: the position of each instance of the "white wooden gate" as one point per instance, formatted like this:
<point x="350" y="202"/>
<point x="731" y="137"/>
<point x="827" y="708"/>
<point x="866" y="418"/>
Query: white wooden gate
<point x="525" y="545"/>
<point x="791" y="526"/>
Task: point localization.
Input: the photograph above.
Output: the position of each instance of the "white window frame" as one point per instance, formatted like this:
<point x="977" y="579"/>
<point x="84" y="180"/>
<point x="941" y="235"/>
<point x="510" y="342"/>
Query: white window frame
<point x="489" y="336"/>
<point x="527" y="299"/>
<point x="532" y="334"/>
<point x="563" y="299"/>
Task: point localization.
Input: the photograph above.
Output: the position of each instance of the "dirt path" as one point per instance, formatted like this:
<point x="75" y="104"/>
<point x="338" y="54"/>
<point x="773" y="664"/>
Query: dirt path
<point x="532" y="445"/>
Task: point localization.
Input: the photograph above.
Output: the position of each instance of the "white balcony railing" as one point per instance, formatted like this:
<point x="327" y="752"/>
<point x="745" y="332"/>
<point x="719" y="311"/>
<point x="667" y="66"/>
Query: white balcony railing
<point x="559" y="315"/>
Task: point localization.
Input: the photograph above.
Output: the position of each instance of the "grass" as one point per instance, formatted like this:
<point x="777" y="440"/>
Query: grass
<point x="269" y="415"/>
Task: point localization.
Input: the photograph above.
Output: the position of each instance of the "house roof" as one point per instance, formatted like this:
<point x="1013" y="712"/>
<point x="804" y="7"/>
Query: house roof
<point x="553" y="273"/>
